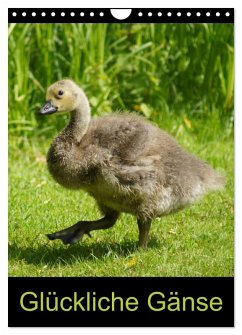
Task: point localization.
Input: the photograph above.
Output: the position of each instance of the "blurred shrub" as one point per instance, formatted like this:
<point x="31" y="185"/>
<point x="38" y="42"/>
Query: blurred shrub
<point x="147" y="68"/>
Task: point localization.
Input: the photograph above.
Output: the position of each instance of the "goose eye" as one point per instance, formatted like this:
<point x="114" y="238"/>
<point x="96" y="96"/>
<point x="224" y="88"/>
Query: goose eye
<point x="60" y="92"/>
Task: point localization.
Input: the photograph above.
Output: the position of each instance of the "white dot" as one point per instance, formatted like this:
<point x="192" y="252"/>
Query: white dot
<point x="33" y="14"/>
<point x="82" y="14"/>
<point x="178" y="14"/>
<point x="91" y="14"/>
<point x="23" y="14"/>
<point x="72" y="14"/>
<point x="169" y="14"/>
<point x="140" y="14"/>
<point x="227" y="14"/>
<point x="101" y="14"/>
<point x="198" y="14"/>
<point x="217" y="14"/>
<point x="43" y="14"/>
<point x="208" y="14"/>
<point x="14" y="14"/>
<point x="63" y="14"/>
<point x="53" y="14"/>
<point x="149" y="14"/>
<point x="159" y="14"/>
<point x="189" y="14"/>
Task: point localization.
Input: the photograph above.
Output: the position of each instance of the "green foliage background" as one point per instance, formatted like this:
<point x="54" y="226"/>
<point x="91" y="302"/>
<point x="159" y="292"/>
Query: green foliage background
<point x="148" y="68"/>
<point x="180" y="76"/>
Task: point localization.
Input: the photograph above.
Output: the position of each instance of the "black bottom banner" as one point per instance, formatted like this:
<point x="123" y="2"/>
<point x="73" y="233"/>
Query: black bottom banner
<point x="121" y="302"/>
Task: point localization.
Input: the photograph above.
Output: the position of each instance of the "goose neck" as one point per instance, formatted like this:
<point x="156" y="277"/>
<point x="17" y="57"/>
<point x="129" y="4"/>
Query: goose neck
<point x="79" y="121"/>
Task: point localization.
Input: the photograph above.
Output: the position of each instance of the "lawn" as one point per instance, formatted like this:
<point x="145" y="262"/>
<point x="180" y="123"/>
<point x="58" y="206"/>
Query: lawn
<point x="197" y="241"/>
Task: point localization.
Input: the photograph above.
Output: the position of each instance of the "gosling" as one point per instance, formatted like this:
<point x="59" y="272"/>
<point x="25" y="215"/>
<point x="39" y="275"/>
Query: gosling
<point x="124" y="162"/>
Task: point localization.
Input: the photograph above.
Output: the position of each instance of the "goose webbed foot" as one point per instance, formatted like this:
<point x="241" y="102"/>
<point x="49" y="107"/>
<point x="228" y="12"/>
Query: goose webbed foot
<point x="72" y="234"/>
<point x="75" y="233"/>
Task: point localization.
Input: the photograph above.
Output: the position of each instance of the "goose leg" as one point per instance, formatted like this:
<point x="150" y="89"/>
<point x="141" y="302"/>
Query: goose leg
<point x="144" y="228"/>
<point x="75" y="233"/>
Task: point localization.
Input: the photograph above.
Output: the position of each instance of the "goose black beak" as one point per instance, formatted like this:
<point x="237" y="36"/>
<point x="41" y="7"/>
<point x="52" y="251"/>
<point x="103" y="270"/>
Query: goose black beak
<point x="48" y="108"/>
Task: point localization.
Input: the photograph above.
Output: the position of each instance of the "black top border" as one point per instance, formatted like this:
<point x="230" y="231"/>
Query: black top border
<point x="138" y="15"/>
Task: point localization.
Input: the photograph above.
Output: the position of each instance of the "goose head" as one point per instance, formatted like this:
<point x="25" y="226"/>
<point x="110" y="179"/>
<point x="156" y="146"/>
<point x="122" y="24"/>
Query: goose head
<point x="61" y="97"/>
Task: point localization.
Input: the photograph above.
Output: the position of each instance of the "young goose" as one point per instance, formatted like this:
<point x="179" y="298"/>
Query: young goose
<point x="126" y="163"/>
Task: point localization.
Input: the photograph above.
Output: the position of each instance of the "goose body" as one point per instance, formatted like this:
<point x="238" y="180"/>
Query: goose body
<point x="126" y="163"/>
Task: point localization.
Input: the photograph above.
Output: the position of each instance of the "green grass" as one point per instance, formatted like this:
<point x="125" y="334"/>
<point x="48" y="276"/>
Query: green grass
<point x="197" y="241"/>
<point x="137" y="67"/>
